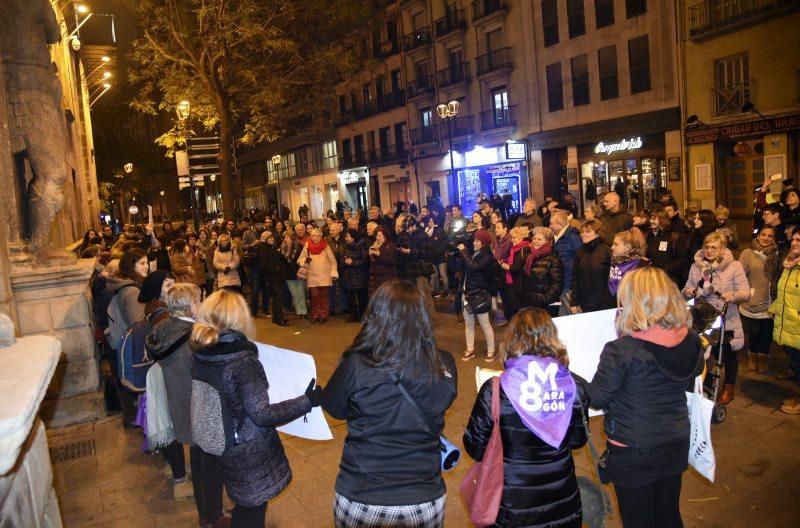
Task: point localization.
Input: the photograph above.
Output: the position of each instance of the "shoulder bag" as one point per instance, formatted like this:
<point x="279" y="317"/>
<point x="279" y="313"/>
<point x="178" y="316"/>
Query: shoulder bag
<point x="482" y="488"/>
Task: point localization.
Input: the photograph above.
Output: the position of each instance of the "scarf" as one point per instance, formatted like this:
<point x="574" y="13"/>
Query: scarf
<point x="542" y="392"/>
<point x="510" y="260"/>
<point x="158" y="431"/>
<point x="535" y="255"/>
<point x="316" y="249"/>
<point x="769" y="254"/>
<point x="618" y="270"/>
<point x="707" y="269"/>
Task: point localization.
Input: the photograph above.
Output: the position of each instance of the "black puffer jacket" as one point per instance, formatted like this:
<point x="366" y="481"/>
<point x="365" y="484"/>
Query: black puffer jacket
<point x="589" y="290"/>
<point x="355" y="276"/>
<point x="543" y="285"/>
<point x="641" y="387"/>
<point x="540" y="489"/>
<point x="390" y="457"/>
<point x="477" y="269"/>
<point x="412" y="265"/>
<point x="256" y="469"/>
<point x="669" y="250"/>
<point x="271" y="263"/>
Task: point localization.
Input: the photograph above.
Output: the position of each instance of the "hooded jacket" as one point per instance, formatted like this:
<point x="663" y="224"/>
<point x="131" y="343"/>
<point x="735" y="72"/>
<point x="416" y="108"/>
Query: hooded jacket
<point x="540" y="488"/>
<point x="728" y="276"/>
<point x="256" y="469"/>
<point x="641" y="387"/>
<point x="124" y="309"/>
<point x="169" y="346"/>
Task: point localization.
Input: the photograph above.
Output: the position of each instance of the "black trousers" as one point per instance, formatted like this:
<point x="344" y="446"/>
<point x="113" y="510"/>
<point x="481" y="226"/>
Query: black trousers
<point x="357" y="301"/>
<point x="654" y="505"/>
<point x="173" y="454"/>
<point x="254" y="517"/>
<point x="258" y="287"/>
<point x="207" y="485"/>
<point x="758" y="333"/>
<point x="273" y="287"/>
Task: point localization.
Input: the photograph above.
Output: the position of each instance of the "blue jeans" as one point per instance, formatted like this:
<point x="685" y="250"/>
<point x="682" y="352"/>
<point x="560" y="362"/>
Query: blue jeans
<point x="297" y="289"/>
<point x="794" y="358"/>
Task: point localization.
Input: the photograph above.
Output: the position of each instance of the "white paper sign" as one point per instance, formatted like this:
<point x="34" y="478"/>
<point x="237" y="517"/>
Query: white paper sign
<point x="150" y="215"/>
<point x="288" y="374"/>
<point x="585" y="335"/>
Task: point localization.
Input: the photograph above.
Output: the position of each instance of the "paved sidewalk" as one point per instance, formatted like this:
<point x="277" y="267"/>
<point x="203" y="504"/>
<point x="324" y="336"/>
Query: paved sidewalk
<point x="758" y="454"/>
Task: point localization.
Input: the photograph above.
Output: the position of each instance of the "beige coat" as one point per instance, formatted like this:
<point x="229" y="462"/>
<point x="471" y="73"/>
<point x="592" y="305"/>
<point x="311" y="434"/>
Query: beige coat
<point x="322" y="269"/>
<point x="228" y="259"/>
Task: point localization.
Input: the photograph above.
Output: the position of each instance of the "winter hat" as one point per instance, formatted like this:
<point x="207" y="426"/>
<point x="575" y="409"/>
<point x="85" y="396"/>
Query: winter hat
<point x="151" y="287"/>
<point x="483" y="236"/>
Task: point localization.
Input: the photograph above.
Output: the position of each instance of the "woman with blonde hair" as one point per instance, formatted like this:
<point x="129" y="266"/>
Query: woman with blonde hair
<point x="254" y="468"/>
<point x="318" y="257"/>
<point x="717" y="278"/>
<point x="640" y="383"/>
<point x="627" y="254"/>
<point x="540" y="488"/>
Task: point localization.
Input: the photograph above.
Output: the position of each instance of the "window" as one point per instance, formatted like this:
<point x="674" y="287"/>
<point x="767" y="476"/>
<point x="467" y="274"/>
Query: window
<point x="421" y="69"/>
<point x="550" y="22"/>
<point x="383" y="139"/>
<point x="555" y="90"/>
<point x="731" y="84"/>
<point x="370" y="143"/>
<point x="426" y="117"/>
<point x="500" y="114"/>
<point x="291" y="165"/>
<point x="376" y="43"/>
<point x="607" y="65"/>
<point x="639" y="63"/>
<point x="347" y="151"/>
<point x="494" y="40"/>
<point x="580" y="80"/>
<point x="353" y="99"/>
<point x="575" y="22"/>
<point x="358" y="141"/>
<point x="604" y="12"/>
<point x="380" y="86"/>
<point x="455" y="56"/>
<point x="329" y="155"/>
<point x="272" y="172"/>
<point x="635" y="8"/>
<point x="395" y="76"/>
<point x="366" y="92"/>
<point x="400" y="138"/>
<point x="342" y="105"/>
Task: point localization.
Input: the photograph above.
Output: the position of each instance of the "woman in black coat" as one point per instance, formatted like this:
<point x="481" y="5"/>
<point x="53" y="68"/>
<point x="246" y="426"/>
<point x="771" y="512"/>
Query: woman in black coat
<point x="382" y="260"/>
<point x="478" y="274"/>
<point x="390" y="473"/>
<point x="540" y="488"/>
<point x="256" y="469"/>
<point x="355" y="274"/>
<point x="272" y="269"/>
<point x="592" y="260"/>
<point x="543" y="277"/>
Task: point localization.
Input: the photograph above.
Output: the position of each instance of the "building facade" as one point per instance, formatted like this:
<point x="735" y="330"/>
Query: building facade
<point x="742" y="99"/>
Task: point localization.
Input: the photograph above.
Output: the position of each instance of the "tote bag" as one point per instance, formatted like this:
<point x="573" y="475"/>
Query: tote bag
<point x="482" y="488"/>
<point x="701" y="452"/>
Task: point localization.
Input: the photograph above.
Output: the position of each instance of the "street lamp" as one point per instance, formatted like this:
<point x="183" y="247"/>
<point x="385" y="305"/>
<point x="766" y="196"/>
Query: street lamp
<point x="182" y="110"/>
<point x="448" y="112"/>
<point x="128" y="168"/>
<point x="105" y="59"/>
<point x="276" y="160"/>
<point x="80" y="10"/>
<point x="106" y="88"/>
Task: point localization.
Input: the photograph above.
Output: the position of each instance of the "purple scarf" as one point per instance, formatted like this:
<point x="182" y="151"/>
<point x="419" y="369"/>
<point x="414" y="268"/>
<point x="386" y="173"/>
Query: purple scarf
<point x="542" y="392"/>
<point x="617" y="271"/>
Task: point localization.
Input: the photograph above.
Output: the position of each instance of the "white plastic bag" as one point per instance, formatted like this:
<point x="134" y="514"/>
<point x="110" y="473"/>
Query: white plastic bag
<point x="701" y="452"/>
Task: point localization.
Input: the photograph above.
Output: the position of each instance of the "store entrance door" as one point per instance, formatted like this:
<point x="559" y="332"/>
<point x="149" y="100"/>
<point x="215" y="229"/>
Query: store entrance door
<point x="737" y="178"/>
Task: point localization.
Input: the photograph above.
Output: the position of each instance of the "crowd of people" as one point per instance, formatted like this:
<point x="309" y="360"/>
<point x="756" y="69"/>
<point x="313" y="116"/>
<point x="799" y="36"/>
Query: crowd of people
<point x="198" y="291"/>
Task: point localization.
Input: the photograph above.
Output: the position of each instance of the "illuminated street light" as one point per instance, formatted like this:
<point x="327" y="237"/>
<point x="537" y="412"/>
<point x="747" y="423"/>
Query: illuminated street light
<point x="183" y="110"/>
<point x="105" y="59"/>
<point x="80" y="10"/>
<point x="448" y="112"/>
<point x="128" y="167"/>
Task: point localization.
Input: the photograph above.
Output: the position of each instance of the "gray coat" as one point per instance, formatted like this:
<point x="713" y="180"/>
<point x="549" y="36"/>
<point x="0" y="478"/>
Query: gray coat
<point x="176" y="363"/>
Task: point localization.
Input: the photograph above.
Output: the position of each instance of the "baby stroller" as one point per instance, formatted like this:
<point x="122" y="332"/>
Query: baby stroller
<point x="709" y="322"/>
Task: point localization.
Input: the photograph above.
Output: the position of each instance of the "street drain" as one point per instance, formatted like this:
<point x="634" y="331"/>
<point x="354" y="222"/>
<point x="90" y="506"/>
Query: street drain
<point x="72" y="451"/>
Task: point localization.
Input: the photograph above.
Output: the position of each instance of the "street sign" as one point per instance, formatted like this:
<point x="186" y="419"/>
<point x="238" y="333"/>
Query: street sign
<point x="203" y="153"/>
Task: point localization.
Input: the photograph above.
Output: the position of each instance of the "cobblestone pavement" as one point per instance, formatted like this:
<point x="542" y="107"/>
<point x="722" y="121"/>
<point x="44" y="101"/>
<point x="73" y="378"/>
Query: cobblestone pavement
<point x="758" y="454"/>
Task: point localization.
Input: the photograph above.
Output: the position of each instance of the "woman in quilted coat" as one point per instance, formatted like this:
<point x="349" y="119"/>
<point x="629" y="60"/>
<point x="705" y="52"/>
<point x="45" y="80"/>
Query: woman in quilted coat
<point x="255" y="469"/>
<point x="226" y="262"/>
<point x="542" y="280"/>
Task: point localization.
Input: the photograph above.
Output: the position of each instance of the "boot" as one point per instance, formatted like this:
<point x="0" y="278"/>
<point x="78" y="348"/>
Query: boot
<point x="763" y="363"/>
<point x="182" y="490"/>
<point x="752" y="362"/>
<point x="727" y="394"/>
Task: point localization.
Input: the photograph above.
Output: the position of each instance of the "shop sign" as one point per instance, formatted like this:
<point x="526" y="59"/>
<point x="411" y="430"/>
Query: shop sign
<point x="502" y="171"/>
<point x="350" y="177"/>
<point x="625" y="145"/>
<point x="778" y="125"/>
<point x="515" y="150"/>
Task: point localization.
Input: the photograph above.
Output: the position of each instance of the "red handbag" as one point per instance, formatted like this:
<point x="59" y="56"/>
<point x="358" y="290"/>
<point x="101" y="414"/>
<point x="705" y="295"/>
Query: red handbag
<point x="482" y="488"/>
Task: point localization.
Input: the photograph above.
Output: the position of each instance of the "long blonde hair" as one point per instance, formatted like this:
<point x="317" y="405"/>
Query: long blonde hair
<point x="532" y="331"/>
<point x="648" y="297"/>
<point x="222" y="311"/>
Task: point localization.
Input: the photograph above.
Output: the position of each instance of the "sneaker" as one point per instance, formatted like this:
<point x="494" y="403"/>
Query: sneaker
<point x="792" y="408"/>
<point x="182" y="490"/>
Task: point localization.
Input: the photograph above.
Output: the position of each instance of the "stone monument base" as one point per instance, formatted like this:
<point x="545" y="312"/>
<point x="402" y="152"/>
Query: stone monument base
<point x="56" y="301"/>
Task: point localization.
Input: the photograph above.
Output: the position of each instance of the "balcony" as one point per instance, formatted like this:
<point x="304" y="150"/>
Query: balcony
<point x="391" y="100"/>
<point x="453" y="23"/>
<point x="712" y="16"/>
<point x="425" y="134"/>
<point x="420" y="86"/>
<point x="497" y="60"/>
<point x="499" y="118"/>
<point x="389" y="48"/>
<point x="728" y="100"/>
<point x="462" y="126"/>
<point x="455" y="74"/>
<point x="366" y="109"/>
<point x="418" y="39"/>
<point x="484" y="9"/>
<point x="387" y="154"/>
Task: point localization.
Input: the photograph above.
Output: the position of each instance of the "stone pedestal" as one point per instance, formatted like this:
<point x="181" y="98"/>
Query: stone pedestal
<point x="56" y="301"/>
<point x="27" y="497"/>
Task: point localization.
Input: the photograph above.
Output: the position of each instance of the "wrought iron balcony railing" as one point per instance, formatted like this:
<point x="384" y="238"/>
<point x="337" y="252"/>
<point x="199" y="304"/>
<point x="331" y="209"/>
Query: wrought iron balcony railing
<point x="454" y="74"/>
<point x="420" y="37"/>
<point x="462" y="126"/>
<point x="452" y="21"/>
<point x="419" y="86"/>
<point x="495" y="60"/>
<point x="499" y="118"/>
<point x="711" y="15"/>
<point x="484" y="8"/>
<point x="425" y="134"/>
<point x="728" y="100"/>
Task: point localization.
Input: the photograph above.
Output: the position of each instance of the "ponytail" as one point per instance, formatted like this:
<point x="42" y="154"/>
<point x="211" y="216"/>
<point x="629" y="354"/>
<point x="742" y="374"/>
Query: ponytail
<point x="203" y="336"/>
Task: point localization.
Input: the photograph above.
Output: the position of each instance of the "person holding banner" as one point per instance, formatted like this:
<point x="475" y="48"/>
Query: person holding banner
<point x="641" y="383"/>
<point x="540" y="424"/>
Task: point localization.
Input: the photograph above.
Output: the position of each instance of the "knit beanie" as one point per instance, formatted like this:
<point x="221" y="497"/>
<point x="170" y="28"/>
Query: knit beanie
<point x="483" y="236"/>
<point x="151" y="287"/>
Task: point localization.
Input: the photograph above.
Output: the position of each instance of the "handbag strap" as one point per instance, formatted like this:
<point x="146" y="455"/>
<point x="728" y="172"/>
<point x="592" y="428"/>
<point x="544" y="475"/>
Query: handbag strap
<point x="592" y="448"/>
<point x="399" y="384"/>
<point x="496" y="399"/>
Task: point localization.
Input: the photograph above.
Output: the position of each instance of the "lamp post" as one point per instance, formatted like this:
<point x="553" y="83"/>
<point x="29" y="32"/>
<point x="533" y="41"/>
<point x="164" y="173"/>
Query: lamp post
<point x="447" y="112"/>
<point x="276" y="161"/>
<point x="182" y="110"/>
<point x="163" y="205"/>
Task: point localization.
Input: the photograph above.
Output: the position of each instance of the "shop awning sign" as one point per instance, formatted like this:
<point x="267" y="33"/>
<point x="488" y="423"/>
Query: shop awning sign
<point x="515" y="150"/>
<point x="777" y="125"/>
<point x="623" y="145"/>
